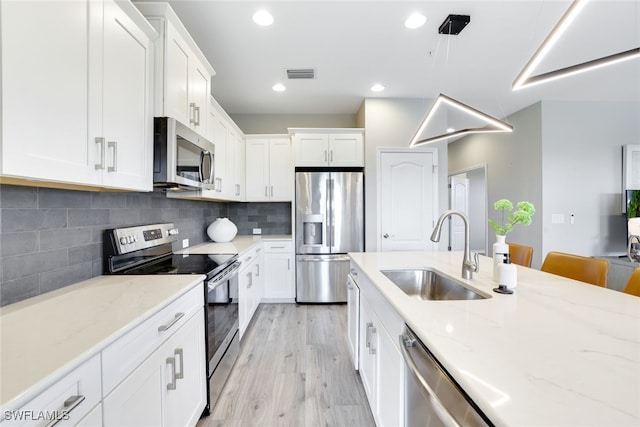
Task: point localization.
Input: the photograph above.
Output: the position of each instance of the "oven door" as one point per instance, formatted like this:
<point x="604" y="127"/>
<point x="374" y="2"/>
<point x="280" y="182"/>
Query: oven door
<point x="222" y="313"/>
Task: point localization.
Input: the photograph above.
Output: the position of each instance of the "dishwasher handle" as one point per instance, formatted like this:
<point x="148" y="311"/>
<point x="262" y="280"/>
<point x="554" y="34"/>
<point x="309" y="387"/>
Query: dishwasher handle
<point x="408" y="340"/>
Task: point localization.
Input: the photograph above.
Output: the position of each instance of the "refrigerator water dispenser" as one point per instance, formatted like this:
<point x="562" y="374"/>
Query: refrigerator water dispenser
<point x="312" y="226"/>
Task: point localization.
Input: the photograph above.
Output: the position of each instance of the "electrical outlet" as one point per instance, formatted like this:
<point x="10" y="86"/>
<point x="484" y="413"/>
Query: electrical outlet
<point x="257" y="231"/>
<point x="185" y="243"/>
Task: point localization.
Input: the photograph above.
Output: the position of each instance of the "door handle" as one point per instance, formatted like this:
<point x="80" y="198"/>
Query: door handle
<point x="114" y="145"/>
<point x="385" y="235"/>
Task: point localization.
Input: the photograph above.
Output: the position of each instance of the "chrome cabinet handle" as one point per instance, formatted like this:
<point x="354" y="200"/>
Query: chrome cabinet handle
<point x="173" y="321"/>
<point x="114" y="145"/>
<point x="192" y="109"/>
<point x="331" y="158"/>
<point x="257" y="270"/>
<point x="266" y="191"/>
<point x="288" y="263"/>
<point x="100" y="142"/>
<point x="196" y="113"/>
<point x="368" y="335"/>
<point x="172" y="361"/>
<point x="372" y="349"/>
<point x="69" y="405"/>
<point x="250" y="277"/>
<point x="325" y="156"/>
<point x="180" y="352"/>
<point x="272" y="191"/>
<point x="237" y="189"/>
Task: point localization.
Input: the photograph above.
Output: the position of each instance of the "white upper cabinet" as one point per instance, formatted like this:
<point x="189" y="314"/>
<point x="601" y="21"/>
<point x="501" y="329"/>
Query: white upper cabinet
<point x="90" y="121"/>
<point x="328" y="147"/>
<point x="269" y="169"/>
<point x="183" y="74"/>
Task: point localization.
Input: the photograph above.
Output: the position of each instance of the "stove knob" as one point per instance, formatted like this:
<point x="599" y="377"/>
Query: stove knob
<point x="129" y="239"/>
<point x="173" y="231"/>
<point x="123" y="240"/>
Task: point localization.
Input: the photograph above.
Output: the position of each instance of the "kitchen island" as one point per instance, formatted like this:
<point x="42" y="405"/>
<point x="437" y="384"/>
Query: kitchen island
<point x="555" y="353"/>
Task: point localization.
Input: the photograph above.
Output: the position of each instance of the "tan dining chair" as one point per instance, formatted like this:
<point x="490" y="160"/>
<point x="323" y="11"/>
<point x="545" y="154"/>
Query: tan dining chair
<point x="585" y="269"/>
<point x="520" y="254"/>
<point x="633" y="284"/>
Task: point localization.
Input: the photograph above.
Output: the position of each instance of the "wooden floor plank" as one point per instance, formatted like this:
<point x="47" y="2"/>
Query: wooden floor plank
<point x="294" y="369"/>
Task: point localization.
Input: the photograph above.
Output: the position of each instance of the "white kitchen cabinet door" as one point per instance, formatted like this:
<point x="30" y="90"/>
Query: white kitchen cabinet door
<point x="311" y="149"/>
<point x="353" y="320"/>
<point x="219" y="139"/>
<point x="367" y="345"/>
<point x="184" y="404"/>
<point x="346" y="150"/>
<point x="389" y="380"/>
<point x="127" y="117"/>
<point x="269" y="169"/>
<point x="279" y="284"/>
<point x="199" y="83"/>
<point x="239" y="160"/>
<point x="168" y="388"/>
<point x="280" y="170"/>
<point x="245" y="282"/>
<point x="93" y="124"/>
<point x="176" y="72"/>
<point x="183" y="75"/>
<point x="257" y="168"/>
<point x="44" y="128"/>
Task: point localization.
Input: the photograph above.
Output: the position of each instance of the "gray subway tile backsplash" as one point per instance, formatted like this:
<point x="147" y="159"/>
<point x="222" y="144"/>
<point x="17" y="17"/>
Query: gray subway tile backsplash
<point x="51" y="238"/>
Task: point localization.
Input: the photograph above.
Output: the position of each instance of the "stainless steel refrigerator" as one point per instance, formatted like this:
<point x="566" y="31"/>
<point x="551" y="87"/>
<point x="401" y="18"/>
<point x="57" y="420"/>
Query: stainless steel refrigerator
<point x="329" y="223"/>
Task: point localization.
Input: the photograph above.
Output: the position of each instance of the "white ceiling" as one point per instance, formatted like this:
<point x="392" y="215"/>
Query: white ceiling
<point x="354" y="44"/>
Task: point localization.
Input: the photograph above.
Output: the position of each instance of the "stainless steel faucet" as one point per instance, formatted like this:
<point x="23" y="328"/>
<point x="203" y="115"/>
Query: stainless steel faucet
<point x="468" y="266"/>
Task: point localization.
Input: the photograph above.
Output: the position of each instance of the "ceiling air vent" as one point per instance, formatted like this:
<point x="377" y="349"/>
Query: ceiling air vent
<point x="301" y="73"/>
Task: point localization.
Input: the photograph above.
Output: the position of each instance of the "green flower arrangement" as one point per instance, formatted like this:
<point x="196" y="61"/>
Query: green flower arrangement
<point x="522" y="215"/>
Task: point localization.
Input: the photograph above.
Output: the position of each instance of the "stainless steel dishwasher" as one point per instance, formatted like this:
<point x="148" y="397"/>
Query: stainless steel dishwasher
<point x="432" y="397"/>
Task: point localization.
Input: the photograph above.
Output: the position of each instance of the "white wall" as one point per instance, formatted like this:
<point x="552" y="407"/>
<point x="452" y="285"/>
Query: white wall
<point x="514" y="170"/>
<point x="582" y="174"/>
<point x="391" y="122"/>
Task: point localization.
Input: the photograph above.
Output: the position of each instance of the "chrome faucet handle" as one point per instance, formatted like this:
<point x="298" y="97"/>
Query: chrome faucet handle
<point x="476" y="261"/>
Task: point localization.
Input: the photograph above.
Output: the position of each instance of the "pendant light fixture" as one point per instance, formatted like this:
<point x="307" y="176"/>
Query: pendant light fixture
<point x="439" y="118"/>
<point x="526" y="79"/>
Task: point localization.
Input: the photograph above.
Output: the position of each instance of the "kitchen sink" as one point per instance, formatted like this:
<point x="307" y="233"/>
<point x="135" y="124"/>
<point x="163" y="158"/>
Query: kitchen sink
<point x="428" y="284"/>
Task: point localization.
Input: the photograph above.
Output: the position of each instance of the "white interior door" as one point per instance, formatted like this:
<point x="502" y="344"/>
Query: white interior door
<point x="459" y="199"/>
<point x="408" y="198"/>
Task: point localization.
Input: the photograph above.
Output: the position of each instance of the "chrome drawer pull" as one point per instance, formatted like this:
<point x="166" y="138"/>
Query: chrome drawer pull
<point x="180" y="352"/>
<point x="172" y="361"/>
<point x="166" y="327"/>
<point x="69" y="405"/>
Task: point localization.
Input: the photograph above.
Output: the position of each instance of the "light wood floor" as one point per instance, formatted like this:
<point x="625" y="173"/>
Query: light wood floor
<point x="294" y="369"/>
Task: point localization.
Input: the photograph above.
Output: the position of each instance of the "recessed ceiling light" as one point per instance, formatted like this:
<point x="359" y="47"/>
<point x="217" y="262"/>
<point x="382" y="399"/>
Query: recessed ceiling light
<point x="377" y="87"/>
<point x="278" y="87"/>
<point x="263" y="18"/>
<point x="415" y="20"/>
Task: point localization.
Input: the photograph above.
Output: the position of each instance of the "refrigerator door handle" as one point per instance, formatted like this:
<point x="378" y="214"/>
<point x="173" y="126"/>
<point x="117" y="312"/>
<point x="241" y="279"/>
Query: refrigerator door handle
<point x="329" y="217"/>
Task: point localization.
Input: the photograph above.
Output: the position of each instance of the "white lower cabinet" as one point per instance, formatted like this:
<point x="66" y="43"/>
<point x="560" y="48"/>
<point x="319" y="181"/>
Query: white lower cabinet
<point x="70" y="399"/>
<point x="353" y="320"/>
<point x="168" y="388"/>
<point x="380" y="361"/>
<point x="250" y="286"/>
<point x="279" y="285"/>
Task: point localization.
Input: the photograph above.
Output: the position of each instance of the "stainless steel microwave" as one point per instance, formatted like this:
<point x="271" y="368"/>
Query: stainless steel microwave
<point x="182" y="159"/>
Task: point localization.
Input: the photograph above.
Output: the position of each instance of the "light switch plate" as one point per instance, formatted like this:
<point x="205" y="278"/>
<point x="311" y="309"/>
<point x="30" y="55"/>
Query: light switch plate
<point x="257" y="231"/>
<point x="185" y="243"/>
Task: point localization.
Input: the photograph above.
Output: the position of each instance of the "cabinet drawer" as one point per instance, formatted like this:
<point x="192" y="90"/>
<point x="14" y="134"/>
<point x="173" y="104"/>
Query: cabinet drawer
<point x="278" y="246"/>
<point x="248" y="255"/>
<point x="69" y="399"/>
<point x="125" y="354"/>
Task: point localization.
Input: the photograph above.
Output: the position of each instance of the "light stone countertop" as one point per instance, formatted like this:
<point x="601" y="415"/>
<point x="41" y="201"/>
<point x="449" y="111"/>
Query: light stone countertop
<point x="555" y="353"/>
<point x="238" y="245"/>
<point x="45" y="337"/>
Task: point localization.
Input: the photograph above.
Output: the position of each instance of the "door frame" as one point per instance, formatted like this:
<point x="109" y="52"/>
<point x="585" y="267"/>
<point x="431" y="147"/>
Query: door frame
<point x="483" y="167"/>
<point x="382" y="150"/>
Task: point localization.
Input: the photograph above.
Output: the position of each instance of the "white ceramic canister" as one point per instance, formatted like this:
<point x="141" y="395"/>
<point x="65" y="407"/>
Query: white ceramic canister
<point x="500" y="249"/>
<point x="222" y="230"/>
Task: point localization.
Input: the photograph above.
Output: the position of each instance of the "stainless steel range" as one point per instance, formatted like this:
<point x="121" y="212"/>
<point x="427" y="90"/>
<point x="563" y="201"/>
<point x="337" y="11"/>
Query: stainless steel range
<point x="147" y="249"/>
